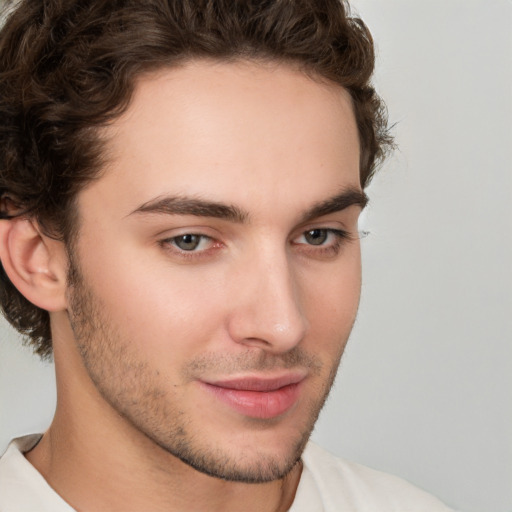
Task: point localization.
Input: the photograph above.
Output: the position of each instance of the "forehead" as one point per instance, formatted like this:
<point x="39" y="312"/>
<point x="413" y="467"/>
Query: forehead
<point x="229" y="131"/>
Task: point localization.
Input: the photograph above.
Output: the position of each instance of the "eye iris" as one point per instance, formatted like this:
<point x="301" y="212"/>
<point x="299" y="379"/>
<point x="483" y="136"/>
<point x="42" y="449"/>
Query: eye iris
<point x="187" y="242"/>
<point x="316" y="236"/>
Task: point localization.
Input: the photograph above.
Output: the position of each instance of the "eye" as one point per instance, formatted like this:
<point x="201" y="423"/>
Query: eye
<point x="316" y="236"/>
<point x="189" y="242"/>
<point x="321" y="237"/>
<point x="322" y="242"/>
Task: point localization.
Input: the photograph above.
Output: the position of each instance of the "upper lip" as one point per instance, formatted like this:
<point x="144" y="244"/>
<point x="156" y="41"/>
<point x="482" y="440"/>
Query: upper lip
<point x="258" y="383"/>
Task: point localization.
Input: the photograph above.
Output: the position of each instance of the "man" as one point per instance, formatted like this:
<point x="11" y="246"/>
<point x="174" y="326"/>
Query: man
<point x="181" y="183"/>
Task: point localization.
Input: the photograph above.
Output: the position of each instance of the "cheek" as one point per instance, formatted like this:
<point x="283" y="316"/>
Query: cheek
<point x="171" y="313"/>
<point x="156" y="305"/>
<point x="331" y="300"/>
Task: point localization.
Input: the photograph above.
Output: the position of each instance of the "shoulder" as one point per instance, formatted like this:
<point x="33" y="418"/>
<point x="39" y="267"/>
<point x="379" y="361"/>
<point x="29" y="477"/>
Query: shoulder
<point x="340" y="484"/>
<point x="22" y="487"/>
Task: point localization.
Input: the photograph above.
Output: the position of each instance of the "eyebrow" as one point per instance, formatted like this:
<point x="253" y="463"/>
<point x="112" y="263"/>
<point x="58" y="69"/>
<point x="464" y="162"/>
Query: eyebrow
<point x="349" y="197"/>
<point x="180" y="205"/>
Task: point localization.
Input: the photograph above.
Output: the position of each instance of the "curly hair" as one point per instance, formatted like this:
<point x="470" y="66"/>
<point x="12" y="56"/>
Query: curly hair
<point x="68" y="67"/>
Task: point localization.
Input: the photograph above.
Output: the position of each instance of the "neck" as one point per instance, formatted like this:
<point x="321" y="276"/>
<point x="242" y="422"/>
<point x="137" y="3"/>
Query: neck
<point x="96" y="460"/>
<point x="92" y="474"/>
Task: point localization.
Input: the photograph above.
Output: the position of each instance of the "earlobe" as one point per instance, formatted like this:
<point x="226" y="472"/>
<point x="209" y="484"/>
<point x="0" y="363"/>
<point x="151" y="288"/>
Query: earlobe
<point x="35" y="263"/>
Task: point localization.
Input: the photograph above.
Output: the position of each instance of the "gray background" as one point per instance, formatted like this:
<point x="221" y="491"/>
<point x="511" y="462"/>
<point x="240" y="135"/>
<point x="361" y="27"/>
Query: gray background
<point x="424" y="386"/>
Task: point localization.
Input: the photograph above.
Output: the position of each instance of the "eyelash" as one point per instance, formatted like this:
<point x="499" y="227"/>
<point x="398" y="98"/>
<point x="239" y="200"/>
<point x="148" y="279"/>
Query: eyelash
<point x="332" y="249"/>
<point x="320" y="250"/>
<point x="169" y="244"/>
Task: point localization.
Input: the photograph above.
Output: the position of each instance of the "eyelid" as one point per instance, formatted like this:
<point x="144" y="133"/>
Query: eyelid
<point x="337" y="233"/>
<point x="173" y="237"/>
<point x="330" y="248"/>
<point x="334" y="225"/>
<point x="201" y="240"/>
<point x="187" y="229"/>
<point x="179" y="255"/>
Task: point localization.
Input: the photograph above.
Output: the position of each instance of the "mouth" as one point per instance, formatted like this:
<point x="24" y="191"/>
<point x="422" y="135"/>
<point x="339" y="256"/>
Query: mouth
<point x="258" y="397"/>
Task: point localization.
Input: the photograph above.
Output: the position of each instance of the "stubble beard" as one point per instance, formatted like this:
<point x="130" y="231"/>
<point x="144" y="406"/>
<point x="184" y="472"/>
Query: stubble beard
<point x="130" y="387"/>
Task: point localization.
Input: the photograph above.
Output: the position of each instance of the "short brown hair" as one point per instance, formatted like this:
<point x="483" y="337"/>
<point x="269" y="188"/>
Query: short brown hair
<point x="68" y="67"/>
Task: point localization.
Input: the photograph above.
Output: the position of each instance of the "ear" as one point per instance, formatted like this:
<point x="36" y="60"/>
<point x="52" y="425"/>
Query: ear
<point x="35" y="263"/>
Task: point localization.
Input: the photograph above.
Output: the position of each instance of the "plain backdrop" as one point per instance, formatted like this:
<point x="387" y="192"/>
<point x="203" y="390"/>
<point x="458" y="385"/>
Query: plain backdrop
<point x="424" y="387"/>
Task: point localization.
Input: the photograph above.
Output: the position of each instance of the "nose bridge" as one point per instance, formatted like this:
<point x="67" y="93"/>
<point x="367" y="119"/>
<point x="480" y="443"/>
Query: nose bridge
<point x="269" y="313"/>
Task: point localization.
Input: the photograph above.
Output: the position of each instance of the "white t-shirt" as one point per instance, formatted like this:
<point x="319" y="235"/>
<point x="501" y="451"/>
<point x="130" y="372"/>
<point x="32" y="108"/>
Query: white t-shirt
<point x="327" y="484"/>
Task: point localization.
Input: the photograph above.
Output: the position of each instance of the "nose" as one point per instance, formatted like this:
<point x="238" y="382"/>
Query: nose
<point x="267" y="310"/>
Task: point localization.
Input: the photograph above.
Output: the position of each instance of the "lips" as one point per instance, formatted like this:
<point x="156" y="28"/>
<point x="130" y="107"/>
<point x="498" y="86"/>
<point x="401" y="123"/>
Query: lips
<point x="258" y="397"/>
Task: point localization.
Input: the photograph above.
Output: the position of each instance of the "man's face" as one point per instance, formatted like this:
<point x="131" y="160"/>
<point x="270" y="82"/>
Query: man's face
<point x="216" y="273"/>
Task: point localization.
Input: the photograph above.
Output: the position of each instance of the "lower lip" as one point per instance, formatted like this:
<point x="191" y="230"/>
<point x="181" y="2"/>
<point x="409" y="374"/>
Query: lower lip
<point x="257" y="404"/>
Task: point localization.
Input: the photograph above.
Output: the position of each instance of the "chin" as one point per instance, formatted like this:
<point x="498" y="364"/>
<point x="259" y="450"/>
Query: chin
<point x="254" y="456"/>
<point x="257" y="467"/>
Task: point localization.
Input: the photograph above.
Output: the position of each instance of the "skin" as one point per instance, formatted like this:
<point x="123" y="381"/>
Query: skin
<point x="145" y="323"/>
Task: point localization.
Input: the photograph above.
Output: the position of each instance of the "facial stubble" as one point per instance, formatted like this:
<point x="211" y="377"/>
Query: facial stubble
<point x="129" y="385"/>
